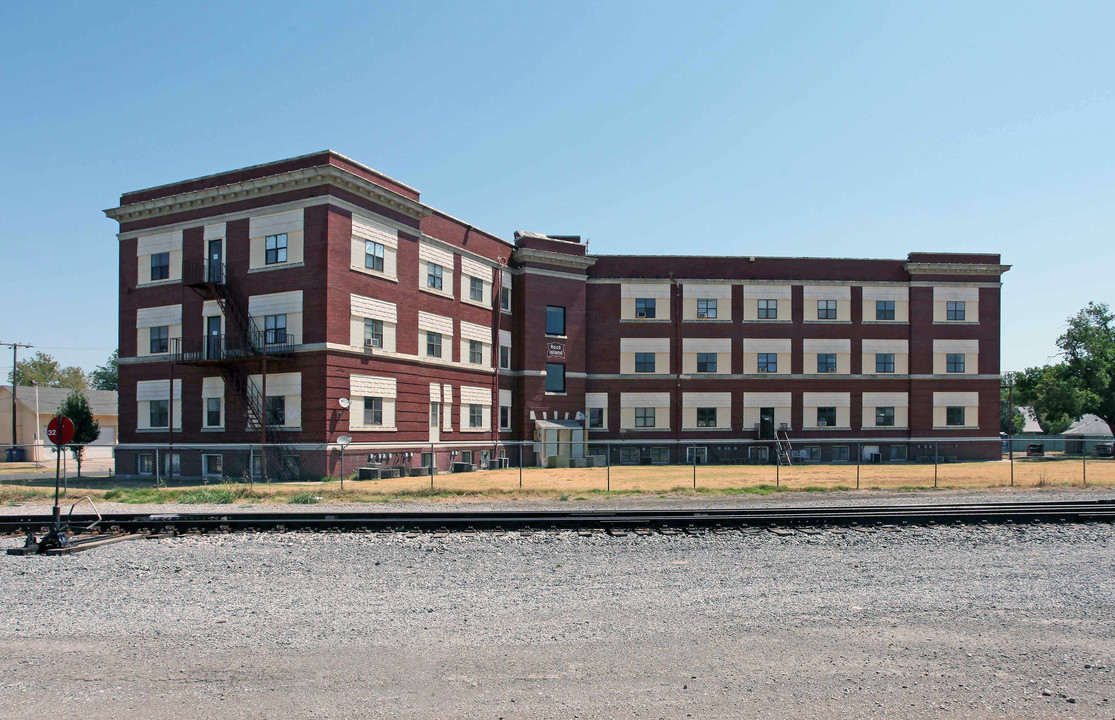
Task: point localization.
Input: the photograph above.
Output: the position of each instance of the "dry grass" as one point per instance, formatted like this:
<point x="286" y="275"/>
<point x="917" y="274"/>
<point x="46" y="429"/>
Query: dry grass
<point x="580" y="483"/>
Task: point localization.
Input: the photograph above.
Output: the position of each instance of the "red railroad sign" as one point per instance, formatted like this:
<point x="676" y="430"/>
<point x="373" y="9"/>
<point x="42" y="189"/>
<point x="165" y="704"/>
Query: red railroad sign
<point x="60" y="433"/>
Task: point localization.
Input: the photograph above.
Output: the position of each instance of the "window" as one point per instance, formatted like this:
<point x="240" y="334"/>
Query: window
<point x="706" y="362"/>
<point x="504" y="416"/>
<point x="159" y="338"/>
<point x="160" y="266"/>
<point x="373" y="256"/>
<point x="434" y="275"/>
<point x="427" y="459"/>
<point x="475" y="352"/>
<point x="505" y="298"/>
<point x="476" y="289"/>
<point x="811" y="453"/>
<point x="433" y="344"/>
<point x="840" y="453"/>
<point x="373" y="411"/>
<point x="555" y="320"/>
<point x="884" y="309"/>
<point x="898" y="452"/>
<point x="696" y="455"/>
<point x="596" y="418"/>
<point x="826" y="362"/>
<point x="884" y="362"/>
<point x="212" y="412"/>
<point x="475" y="416"/>
<point x="274" y="327"/>
<point x="706" y="308"/>
<point x="145" y="464"/>
<point x="211" y="465"/>
<point x="555" y="377"/>
<point x="645" y="307"/>
<point x="373" y="333"/>
<point x="504" y="357"/>
<point x="274" y="249"/>
<point x="276" y="410"/>
<point x="954" y="416"/>
<point x="826" y="309"/>
<point x="159" y="413"/>
<point x="629" y="456"/>
<point x="644" y="417"/>
<point x="644" y="362"/>
<point x="466" y="456"/>
<point x="954" y="363"/>
<point x="706" y="417"/>
<point x="954" y="310"/>
<point x="884" y="417"/>
<point x="826" y="417"/>
<point x="659" y="455"/>
<point x="768" y="362"/>
<point x="768" y="309"/>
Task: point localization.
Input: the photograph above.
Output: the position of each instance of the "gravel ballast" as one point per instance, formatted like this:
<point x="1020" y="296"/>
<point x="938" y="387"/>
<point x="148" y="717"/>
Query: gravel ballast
<point x="971" y="622"/>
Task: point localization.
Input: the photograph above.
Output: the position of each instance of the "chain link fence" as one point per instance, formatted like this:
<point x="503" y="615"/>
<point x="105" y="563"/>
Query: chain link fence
<point x="577" y="468"/>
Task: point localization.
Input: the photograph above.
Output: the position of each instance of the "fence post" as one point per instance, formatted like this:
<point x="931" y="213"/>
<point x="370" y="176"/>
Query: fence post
<point x="342" y="468"/>
<point x="1010" y="450"/>
<point x="522" y="449"/>
<point x="433" y="462"/>
<point x="936" y="453"/>
<point x="777" y="469"/>
<point x="1084" y="460"/>
<point x="859" y="454"/>
<point x="608" y="461"/>
<point x="694" y="451"/>
<point x="158" y="480"/>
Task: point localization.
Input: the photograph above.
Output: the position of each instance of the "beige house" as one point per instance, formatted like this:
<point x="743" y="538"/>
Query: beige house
<point x="31" y="433"/>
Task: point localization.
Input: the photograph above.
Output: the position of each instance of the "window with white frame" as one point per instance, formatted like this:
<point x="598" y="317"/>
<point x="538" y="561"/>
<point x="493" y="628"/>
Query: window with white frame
<point x="160" y="266"/>
<point x="768" y="309"/>
<point x="504" y="357"/>
<point x="596" y="418"/>
<point x="476" y="289"/>
<point x="504" y="417"/>
<point x="433" y="344"/>
<point x="160" y="338"/>
<point x="954" y="363"/>
<point x="645" y="308"/>
<point x="826" y="309"/>
<point x="159" y="413"/>
<point x="373" y="411"/>
<point x="767" y="362"/>
<point x="275" y="247"/>
<point x="274" y="327"/>
<point x="373" y="333"/>
<point x="475" y="352"/>
<point x="475" y="416"/>
<point x="434" y="276"/>
<point x="826" y="362"/>
<point x="212" y="412"/>
<point x="884" y="362"/>
<point x="644" y="417"/>
<point x="373" y="255"/>
<point x="884" y="417"/>
<point x="955" y="310"/>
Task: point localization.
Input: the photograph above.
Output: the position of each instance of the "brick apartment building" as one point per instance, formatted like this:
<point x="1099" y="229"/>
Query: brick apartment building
<point x="254" y="301"/>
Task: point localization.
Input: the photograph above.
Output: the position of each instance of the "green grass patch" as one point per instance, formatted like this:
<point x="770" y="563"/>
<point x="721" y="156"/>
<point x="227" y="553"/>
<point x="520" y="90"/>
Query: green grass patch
<point x="304" y="498"/>
<point x="141" y="496"/>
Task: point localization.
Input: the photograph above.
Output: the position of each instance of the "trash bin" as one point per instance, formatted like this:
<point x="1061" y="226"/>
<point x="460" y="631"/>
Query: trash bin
<point x="17" y="454"/>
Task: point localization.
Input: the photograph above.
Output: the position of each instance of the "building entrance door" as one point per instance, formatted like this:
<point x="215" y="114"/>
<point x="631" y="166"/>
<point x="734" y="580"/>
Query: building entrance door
<point x="435" y="422"/>
<point x="766" y="423"/>
<point x="216" y="268"/>
<point x="213" y="337"/>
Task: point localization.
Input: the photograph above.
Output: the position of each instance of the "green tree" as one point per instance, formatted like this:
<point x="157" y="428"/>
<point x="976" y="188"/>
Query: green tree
<point x="86" y="429"/>
<point x="46" y="371"/>
<point x="1088" y="346"/>
<point x="1051" y="394"/>
<point x="106" y="377"/>
<point x="1011" y="420"/>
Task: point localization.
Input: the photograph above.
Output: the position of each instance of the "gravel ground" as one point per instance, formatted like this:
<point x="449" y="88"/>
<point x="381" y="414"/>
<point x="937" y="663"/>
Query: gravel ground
<point x="967" y="622"/>
<point x="788" y="499"/>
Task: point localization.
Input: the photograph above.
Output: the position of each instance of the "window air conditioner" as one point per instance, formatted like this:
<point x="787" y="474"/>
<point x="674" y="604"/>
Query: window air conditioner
<point x="641" y="314"/>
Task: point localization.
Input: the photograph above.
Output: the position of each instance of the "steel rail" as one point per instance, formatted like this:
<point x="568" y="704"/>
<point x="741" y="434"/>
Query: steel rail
<point x="1088" y="511"/>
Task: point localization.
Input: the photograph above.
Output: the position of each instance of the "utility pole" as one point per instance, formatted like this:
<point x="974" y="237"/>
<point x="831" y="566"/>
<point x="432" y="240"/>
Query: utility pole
<point x="15" y="349"/>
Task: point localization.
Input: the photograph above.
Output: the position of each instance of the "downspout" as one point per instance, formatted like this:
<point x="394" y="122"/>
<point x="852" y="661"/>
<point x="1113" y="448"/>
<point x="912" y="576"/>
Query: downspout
<point x="497" y="303"/>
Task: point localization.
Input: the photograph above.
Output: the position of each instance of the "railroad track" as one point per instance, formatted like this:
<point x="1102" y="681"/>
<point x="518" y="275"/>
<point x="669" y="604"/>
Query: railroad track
<point x="608" y="520"/>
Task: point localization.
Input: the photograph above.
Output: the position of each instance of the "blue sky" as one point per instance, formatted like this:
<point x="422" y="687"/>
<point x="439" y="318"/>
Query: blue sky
<point x="760" y="128"/>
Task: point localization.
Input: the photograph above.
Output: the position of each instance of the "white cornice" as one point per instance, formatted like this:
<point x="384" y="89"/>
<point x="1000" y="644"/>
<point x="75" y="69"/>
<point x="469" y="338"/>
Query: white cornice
<point x="549" y="257"/>
<point x="920" y="268"/>
<point x="270" y="185"/>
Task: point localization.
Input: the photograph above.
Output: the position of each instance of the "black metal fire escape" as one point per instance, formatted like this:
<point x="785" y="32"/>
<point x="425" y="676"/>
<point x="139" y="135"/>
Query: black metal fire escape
<point x="229" y="352"/>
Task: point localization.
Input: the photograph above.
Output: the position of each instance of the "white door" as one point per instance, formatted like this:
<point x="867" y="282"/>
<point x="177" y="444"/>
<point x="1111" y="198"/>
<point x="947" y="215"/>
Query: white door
<point x="435" y="422"/>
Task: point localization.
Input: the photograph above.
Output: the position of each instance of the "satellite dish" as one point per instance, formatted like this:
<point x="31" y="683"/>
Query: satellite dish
<point x="344" y="440"/>
<point x="344" y="402"/>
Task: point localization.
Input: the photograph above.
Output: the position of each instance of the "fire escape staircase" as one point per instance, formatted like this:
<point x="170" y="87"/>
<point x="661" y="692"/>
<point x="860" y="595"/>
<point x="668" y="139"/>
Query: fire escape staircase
<point x="240" y="341"/>
<point x="783" y="449"/>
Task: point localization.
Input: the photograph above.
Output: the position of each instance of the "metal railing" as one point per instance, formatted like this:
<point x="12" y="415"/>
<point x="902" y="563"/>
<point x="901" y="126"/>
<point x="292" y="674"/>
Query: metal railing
<point x="233" y="346"/>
